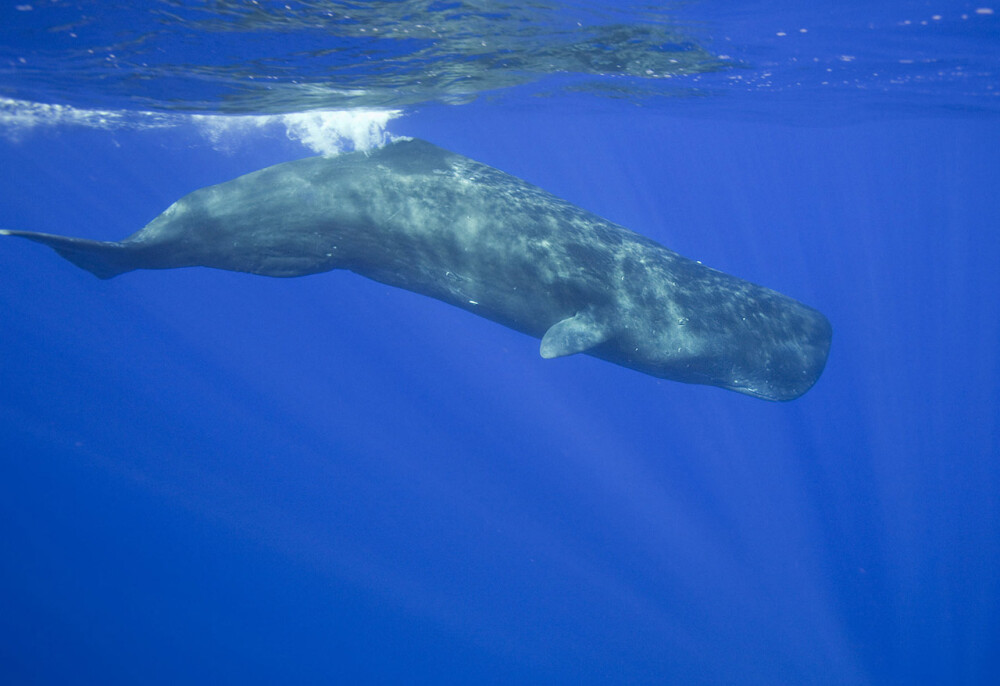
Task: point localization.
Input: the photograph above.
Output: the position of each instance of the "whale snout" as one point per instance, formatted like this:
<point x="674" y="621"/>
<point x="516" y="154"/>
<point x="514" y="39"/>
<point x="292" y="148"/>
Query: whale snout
<point x="794" y="364"/>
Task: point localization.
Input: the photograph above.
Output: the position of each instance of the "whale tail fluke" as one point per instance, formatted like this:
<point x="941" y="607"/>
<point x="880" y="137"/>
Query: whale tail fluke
<point x="103" y="259"/>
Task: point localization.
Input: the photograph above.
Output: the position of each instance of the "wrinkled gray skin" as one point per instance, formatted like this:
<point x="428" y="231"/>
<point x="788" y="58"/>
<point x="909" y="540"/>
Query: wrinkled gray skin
<point x="419" y="217"/>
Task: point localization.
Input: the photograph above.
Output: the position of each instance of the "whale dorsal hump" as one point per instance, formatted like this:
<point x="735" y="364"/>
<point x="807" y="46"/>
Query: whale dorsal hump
<point x="572" y="335"/>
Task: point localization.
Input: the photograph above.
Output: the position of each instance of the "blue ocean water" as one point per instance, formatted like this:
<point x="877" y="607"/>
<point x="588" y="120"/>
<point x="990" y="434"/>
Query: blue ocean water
<point x="216" y="477"/>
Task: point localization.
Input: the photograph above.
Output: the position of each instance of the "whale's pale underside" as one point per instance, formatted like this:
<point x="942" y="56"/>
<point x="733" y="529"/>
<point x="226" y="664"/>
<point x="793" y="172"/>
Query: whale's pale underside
<point x="419" y="217"/>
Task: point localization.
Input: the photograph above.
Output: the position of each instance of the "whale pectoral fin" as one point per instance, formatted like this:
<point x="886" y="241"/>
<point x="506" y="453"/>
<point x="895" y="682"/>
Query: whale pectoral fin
<point x="572" y="335"/>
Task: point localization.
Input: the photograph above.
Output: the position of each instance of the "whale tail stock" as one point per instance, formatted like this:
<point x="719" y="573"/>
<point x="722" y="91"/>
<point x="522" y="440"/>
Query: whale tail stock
<point x="103" y="259"/>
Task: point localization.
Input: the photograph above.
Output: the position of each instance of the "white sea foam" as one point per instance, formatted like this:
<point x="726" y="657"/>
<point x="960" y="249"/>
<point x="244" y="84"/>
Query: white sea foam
<point x="18" y="117"/>
<point x="331" y="132"/>
<point x="323" y="132"/>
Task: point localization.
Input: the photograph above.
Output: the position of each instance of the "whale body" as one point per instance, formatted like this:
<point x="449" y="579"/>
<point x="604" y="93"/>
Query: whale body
<point x="419" y="217"/>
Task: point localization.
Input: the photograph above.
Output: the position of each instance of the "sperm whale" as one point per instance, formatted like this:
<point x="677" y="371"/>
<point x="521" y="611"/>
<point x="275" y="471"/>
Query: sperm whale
<point x="416" y="216"/>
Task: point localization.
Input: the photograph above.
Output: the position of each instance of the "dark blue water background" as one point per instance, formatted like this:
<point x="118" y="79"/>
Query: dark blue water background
<point x="209" y="477"/>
